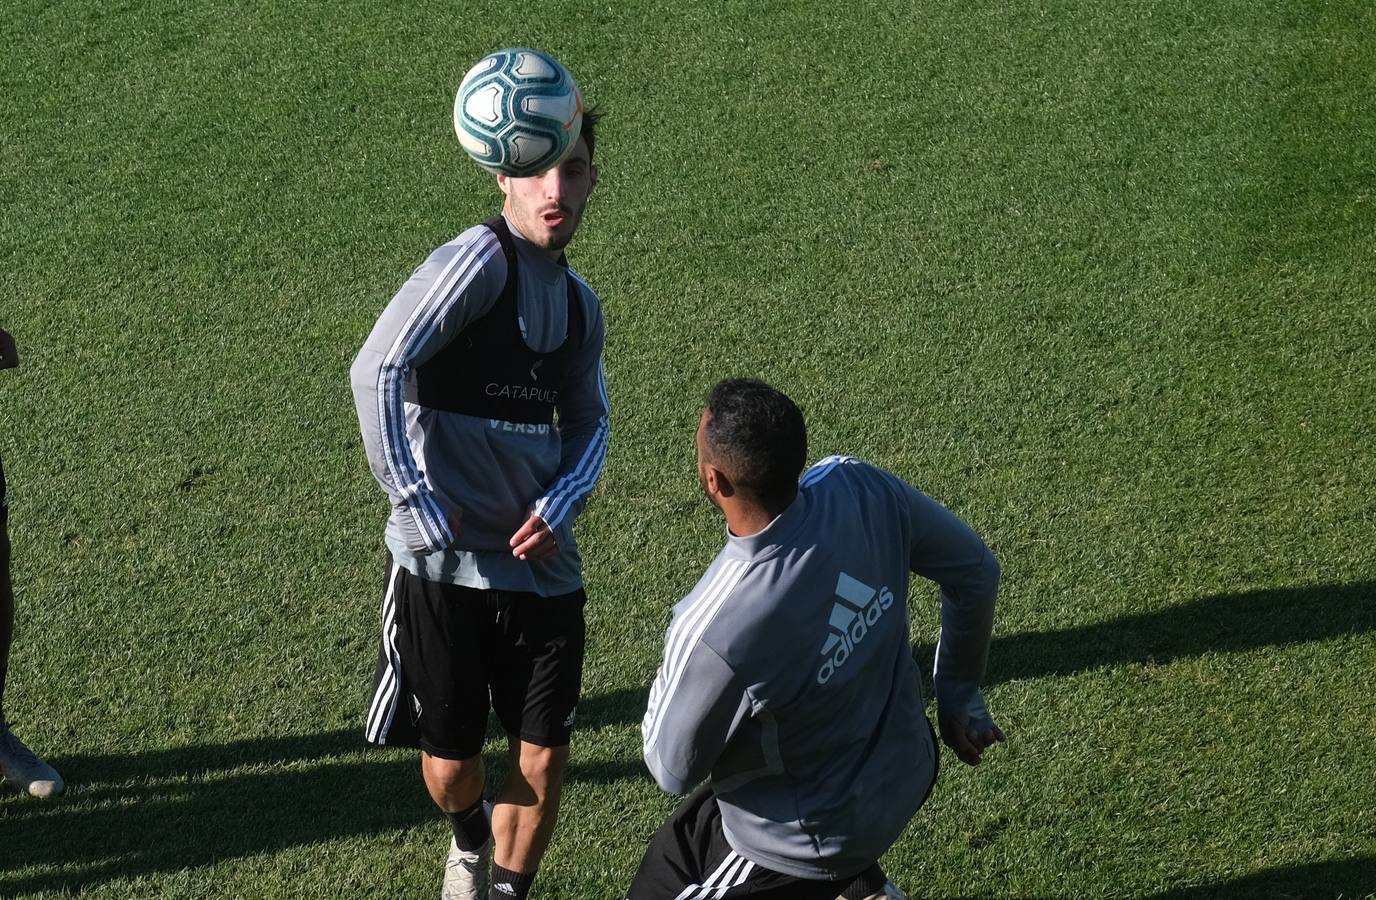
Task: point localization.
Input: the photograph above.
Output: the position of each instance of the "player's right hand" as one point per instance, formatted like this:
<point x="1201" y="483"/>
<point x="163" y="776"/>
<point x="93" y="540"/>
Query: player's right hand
<point x="969" y="739"/>
<point x="534" y="540"/>
<point x="9" y="353"/>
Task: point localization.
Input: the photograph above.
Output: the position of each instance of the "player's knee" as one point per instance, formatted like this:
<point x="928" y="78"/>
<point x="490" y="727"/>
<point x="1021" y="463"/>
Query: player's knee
<point x="454" y="776"/>
<point x="544" y="762"/>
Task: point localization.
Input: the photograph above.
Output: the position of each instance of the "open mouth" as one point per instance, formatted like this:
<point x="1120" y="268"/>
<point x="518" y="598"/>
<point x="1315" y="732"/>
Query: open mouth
<point x="554" y="219"/>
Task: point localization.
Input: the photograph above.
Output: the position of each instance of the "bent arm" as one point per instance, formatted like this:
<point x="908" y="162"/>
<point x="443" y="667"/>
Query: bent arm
<point x="456" y="285"/>
<point x="946" y="550"/>
<point x="584" y="431"/>
<point x="695" y="707"/>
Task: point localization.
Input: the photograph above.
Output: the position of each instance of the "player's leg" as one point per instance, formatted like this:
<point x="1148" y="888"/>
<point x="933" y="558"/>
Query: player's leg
<point x="438" y="645"/>
<point x="525" y="812"/>
<point x="456" y="786"/>
<point x="680" y="852"/>
<point x="18" y="763"/>
<point x="536" y="671"/>
<point x="690" y="857"/>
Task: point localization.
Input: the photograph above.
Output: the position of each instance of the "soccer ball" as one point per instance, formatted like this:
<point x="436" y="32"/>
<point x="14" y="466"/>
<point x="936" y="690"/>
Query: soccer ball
<point x="518" y="112"/>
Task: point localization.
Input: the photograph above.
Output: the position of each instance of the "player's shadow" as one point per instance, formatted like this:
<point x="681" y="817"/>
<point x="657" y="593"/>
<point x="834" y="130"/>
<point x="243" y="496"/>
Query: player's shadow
<point x="1353" y="877"/>
<point x="621" y="707"/>
<point x="137" y="814"/>
<point x="1223" y="623"/>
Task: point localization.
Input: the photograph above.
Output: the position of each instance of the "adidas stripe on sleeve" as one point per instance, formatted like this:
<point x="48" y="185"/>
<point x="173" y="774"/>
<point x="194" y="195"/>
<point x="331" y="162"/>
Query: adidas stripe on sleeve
<point x="584" y="431"/>
<point x="690" y="714"/>
<point x="451" y="288"/>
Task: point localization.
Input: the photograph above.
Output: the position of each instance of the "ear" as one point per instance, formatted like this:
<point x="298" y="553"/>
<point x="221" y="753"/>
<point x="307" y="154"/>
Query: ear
<point x="592" y="185"/>
<point x="504" y="182"/>
<point x="719" y="483"/>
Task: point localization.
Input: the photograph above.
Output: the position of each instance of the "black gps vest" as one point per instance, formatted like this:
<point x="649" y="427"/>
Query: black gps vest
<point x="489" y="371"/>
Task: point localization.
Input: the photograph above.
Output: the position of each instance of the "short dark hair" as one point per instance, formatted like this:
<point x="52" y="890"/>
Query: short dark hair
<point x="758" y="437"/>
<point x="589" y="133"/>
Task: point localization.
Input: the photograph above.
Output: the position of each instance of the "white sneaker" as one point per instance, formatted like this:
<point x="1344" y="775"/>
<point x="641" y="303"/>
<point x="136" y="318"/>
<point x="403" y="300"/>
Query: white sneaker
<point x="24" y="770"/>
<point x="465" y="871"/>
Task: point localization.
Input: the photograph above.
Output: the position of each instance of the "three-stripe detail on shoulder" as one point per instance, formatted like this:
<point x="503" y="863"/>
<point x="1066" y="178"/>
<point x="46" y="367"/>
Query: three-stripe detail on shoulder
<point x="825" y="467"/>
<point x="427" y="316"/>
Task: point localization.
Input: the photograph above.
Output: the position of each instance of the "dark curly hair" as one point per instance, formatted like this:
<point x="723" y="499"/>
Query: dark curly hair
<point x="757" y="436"/>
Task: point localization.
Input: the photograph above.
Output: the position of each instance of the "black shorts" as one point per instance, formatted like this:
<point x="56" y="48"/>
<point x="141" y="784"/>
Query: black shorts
<point x="447" y="650"/>
<point x="689" y="857"/>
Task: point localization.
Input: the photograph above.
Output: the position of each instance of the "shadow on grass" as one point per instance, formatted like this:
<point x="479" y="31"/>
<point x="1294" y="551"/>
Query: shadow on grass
<point x="1335" y="878"/>
<point x="133" y="815"/>
<point x="623" y="707"/>
<point x="1225" y="623"/>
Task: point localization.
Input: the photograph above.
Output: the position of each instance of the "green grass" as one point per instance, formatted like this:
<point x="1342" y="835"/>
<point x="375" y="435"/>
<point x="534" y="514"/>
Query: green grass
<point x="1098" y="276"/>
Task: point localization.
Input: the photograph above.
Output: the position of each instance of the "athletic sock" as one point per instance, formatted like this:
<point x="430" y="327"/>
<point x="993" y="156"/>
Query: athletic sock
<point x="509" y="885"/>
<point x="471" y="828"/>
<point x="871" y="881"/>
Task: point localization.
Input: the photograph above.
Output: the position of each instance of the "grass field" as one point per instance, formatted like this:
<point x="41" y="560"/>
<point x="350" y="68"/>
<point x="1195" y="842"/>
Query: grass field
<point x="1098" y="276"/>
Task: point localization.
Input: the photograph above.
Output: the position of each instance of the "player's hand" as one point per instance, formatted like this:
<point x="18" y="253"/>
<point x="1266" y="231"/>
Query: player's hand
<point x="9" y="354"/>
<point x="534" y="540"/>
<point x="969" y="740"/>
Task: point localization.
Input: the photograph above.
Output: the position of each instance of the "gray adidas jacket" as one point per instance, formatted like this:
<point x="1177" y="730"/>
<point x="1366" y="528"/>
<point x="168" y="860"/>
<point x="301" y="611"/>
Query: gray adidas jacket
<point x="439" y="467"/>
<point x="789" y="682"/>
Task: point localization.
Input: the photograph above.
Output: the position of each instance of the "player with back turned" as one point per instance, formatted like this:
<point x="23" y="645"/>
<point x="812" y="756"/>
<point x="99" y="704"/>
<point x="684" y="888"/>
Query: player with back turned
<point x="788" y="695"/>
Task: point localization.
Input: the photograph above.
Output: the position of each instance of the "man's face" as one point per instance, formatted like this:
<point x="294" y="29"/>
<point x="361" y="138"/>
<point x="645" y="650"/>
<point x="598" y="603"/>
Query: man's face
<point x="547" y="208"/>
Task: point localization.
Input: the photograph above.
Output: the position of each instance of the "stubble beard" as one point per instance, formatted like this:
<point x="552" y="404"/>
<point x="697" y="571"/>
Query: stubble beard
<point x="545" y="238"/>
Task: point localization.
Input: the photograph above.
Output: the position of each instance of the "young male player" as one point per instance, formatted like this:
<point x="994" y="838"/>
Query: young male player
<point x="788" y="690"/>
<point x="484" y="414"/>
<point x="17" y="762"/>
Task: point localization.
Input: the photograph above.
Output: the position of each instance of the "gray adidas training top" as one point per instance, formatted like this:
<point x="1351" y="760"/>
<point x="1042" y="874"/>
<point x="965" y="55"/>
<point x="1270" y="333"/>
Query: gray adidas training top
<point x="789" y="682"/>
<point x="439" y="467"/>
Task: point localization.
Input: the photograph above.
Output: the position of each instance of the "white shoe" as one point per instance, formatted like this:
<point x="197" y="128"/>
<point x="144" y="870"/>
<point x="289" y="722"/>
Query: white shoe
<point x="25" y="770"/>
<point x="465" y="871"/>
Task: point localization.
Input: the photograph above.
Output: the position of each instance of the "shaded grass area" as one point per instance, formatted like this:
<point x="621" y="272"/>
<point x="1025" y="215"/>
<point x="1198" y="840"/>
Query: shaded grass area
<point x="1099" y="278"/>
<point x="142" y="815"/>
<point x="139" y="815"/>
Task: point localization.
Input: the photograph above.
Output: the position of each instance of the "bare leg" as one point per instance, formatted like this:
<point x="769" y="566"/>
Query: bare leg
<point x="525" y="811"/>
<point x="454" y="784"/>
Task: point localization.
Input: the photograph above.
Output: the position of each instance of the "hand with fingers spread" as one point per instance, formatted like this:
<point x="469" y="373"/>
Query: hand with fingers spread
<point x="534" y="540"/>
<point x="969" y="738"/>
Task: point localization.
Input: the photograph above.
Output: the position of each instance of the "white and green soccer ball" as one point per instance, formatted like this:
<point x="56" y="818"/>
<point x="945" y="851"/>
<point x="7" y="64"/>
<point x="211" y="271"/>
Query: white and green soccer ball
<point x="518" y="112"/>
